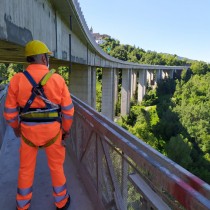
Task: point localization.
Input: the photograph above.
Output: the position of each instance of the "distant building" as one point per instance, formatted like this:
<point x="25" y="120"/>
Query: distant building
<point x="99" y="38"/>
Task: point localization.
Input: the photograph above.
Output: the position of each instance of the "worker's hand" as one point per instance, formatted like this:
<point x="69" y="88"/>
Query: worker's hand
<point x="63" y="142"/>
<point x="65" y="136"/>
<point x="17" y="131"/>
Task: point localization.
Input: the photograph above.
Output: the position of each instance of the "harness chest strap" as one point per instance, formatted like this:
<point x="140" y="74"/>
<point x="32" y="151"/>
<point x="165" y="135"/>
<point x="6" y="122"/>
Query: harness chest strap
<point x="31" y="144"/>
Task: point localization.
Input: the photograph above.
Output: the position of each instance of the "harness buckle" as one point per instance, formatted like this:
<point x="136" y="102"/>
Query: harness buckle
<point x="37" y="90"/>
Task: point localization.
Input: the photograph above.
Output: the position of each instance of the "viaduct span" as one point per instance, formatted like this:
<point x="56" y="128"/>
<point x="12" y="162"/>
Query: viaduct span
<point x="118" y="170"/>
<point x="62" y="26"/>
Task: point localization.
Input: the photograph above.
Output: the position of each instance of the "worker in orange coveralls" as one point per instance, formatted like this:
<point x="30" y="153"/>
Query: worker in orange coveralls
<point x="39" y="108"/>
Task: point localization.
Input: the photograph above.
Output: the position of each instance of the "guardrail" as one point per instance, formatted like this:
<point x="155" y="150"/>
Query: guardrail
<point x="122" y="172"/>
<point x="2" y="120"/>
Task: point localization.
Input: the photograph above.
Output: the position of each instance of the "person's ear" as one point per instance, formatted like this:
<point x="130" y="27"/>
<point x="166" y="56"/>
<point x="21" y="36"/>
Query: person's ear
<point x="43" y="59"/>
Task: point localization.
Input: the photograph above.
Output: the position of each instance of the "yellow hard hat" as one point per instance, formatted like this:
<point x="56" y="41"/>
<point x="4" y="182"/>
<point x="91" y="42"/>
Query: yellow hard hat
<point x="36" y="47"/>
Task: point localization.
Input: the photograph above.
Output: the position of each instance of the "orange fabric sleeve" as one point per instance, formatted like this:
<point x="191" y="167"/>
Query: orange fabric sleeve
<point x="67" y="108"/>
<point x="11" y="108"/>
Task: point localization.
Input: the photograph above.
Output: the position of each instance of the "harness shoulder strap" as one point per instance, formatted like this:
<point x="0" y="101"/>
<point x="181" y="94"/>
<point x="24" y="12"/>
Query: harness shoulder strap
<point x="30" y="78"/>
<point x="33" y="95"/>
<point x="42" y="82"/>
<point x="46" y="77"/>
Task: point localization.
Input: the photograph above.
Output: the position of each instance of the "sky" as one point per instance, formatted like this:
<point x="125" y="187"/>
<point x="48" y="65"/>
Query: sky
<point x="180" y="27"/>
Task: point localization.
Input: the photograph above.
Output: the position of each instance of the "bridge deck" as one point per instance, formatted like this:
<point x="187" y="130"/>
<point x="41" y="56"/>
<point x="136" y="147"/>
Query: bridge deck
<point x="42" y="190"/>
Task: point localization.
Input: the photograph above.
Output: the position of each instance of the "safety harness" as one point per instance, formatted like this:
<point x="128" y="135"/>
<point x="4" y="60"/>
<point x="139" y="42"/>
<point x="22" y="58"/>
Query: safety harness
<point x="48" y="114"/>
<point x="31" y="144"/>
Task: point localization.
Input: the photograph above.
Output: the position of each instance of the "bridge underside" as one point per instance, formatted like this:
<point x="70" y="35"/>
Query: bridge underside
<point x="10" y="52"/>
<point x="14" y="53"/>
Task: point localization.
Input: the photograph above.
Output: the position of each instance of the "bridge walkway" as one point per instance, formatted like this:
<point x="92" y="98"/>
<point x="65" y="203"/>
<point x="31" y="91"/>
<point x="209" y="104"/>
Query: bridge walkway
<point x="42" y="190"/>
<point x="106" y="167"/>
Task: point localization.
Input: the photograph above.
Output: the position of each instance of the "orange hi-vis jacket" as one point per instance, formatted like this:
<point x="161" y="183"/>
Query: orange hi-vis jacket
<point x="55" y="90"/>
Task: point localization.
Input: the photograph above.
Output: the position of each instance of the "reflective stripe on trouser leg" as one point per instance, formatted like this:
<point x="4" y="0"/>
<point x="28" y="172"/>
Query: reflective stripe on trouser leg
<point x="26" y="175"/>
<point x="55" y="157"/>
<point x="60" y="194"/>
<point x="24" y="198"/>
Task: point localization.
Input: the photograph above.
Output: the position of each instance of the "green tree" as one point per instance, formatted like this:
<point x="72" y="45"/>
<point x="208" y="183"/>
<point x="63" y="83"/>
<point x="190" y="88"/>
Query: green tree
<point x="120" y="53"/>
<point x="179" y="149"/>
<point x="199" y="67"/>
<point x="7" y="71"/>
<point x="64" y="72"/>
<point x="98" y="89"/>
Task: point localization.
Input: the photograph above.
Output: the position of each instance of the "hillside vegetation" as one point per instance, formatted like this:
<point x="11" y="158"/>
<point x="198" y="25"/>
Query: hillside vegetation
<point x="173" y="118"/>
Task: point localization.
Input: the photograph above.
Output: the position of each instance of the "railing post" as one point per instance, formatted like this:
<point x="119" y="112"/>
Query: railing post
<point x="124" y="181"/>
<point x="99" y="155"/>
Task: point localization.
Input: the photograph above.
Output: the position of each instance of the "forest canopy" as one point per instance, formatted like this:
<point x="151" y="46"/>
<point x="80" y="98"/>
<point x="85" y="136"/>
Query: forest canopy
<point x="173" y="118"/>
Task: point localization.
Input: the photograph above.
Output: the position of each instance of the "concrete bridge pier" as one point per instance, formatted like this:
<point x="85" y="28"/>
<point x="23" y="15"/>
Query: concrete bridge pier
<point x="142" y="80"/>
<point x="82" y="83"/>
<point x="164" y="74"/>
<point x="108" y="87"/>
<point x="133" y="82"/>
<point x="171" y="74"/>
<point x="116" y="82"/>
<point x="93" y="86"/>
<point x="148" y="72"/>
<point x="159" y="75"/>
<point x="125" y="91"/>
<point x="150" y="77"/>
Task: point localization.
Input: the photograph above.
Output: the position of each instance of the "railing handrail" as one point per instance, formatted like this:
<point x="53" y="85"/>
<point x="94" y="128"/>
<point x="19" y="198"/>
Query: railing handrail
<point x="178" y="180"/>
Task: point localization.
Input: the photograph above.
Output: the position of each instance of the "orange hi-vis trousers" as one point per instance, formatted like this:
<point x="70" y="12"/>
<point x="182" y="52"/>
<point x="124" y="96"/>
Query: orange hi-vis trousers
<point x="55" y="157"/>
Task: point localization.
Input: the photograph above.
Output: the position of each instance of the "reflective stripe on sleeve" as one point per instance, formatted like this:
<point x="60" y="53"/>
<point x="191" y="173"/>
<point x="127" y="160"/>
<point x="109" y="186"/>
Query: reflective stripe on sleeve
<point x="69" y="107"/>
<point x="67" y="117"/>
<point x="13" y="119"/>
<point x="10" y="110"/>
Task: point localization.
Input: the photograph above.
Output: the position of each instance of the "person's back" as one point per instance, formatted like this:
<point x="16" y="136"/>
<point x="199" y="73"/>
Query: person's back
<point x="54" y="90"/>
<point x="45" y="112"/>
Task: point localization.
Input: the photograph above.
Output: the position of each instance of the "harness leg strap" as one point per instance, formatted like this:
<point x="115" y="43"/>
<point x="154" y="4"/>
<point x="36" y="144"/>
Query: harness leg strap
<point x="31" y="144"/>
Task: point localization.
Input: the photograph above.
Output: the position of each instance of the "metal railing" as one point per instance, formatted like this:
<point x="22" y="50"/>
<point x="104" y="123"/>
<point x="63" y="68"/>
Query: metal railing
<point x="2" y="120"/>
<point x="122" y="172"/>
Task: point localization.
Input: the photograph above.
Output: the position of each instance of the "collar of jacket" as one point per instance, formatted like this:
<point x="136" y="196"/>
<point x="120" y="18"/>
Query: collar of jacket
<point x="37" y="67"/>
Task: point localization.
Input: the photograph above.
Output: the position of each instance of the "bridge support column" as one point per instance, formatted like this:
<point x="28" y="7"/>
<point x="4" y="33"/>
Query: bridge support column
<point x="164" y="74"/>
<point x="159" y="74"/>
<point x="80" y="83"/>
<point x="171" y="74"/>
<point x="107" y="108"/>
<point x="133" y="83"/>
<point x="93" y="87"/>
<point x="125" y="91"/>
<point x="152" y="78"/>
<point x="149" y="74"/>
<point x="116" y="77"/>
<point x="142" y="84"/>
